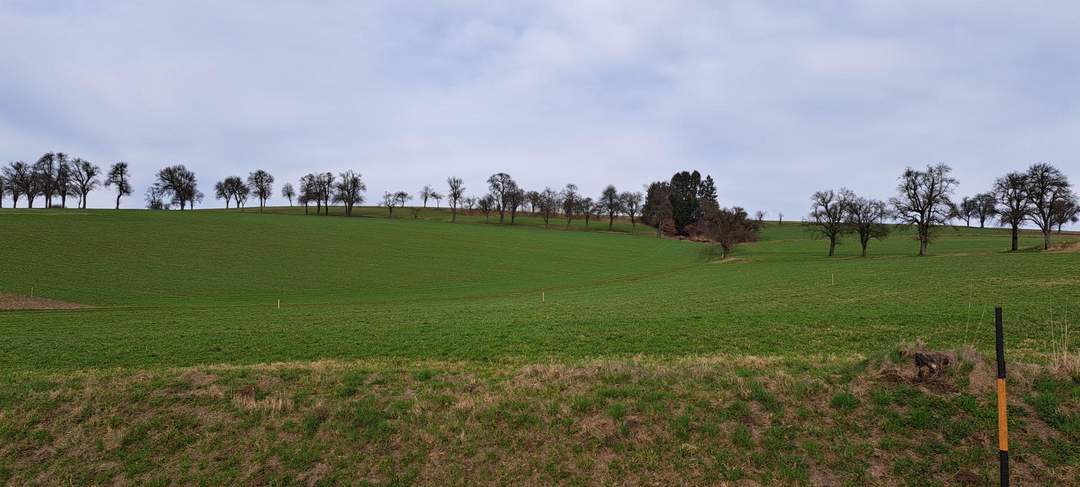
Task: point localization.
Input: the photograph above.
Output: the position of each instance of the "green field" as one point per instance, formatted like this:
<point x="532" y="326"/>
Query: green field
<point x="386" y="327"/>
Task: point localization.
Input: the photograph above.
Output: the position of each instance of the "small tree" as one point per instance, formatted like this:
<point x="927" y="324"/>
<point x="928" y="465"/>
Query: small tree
<point x="985" y="208"/>
<point x="21" y="180"/>
<point x="389" y="200"/>
<point x="587" y="209"/>
<point x="923" y="200"/>
<point x="760" y="216"/>
<point x="828" y="215"/>
<point x="610" y="204"/>
<point x="1013" y="205"/>
<point x="867" y="218"/>
<point x="727" y="227"/>
<point x="1046" y="187"/>
<point x="437" y="196"/>
<point x="289" y="192"/>
<point x="966" y="210"/>
<point x="262" y="185"/>
<point x="348" y="190"/>
<point x="486" y="205"/>
<point x="501" y="186"/>
<point x="547" y="202"/>
<point x="402" y="197"/>
<point x="454" y="195"/>
<point x="84" y="178"/>
<point x="515" y="197"/>
<point x="309" y="191"/>
<point x="780" y="218"/>
<point x="179" y="184"/>
<point x="631" y="204"/>
<point x="119" y="177"/>
<point x="570" y="202"/>
<point x="1066" y="211"/>
<point x="657" y="211"/>
<point x="426" y="193"/>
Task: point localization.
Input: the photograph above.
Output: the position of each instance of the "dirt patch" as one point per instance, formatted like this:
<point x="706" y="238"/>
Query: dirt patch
<point x="10" y="302"/>
<point x="1073" y="246"/>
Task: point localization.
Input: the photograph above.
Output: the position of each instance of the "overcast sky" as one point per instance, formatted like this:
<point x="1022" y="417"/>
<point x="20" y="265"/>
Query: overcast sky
<point x="774" y="99"/>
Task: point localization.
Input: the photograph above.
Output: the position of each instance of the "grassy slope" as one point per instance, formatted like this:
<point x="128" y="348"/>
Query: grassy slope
<point x="643" y="365"/>
<point x="184" y="289"/>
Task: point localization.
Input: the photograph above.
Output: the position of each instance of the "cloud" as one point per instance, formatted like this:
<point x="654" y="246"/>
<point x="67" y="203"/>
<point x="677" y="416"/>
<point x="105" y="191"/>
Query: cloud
<point x="775" y="99"/>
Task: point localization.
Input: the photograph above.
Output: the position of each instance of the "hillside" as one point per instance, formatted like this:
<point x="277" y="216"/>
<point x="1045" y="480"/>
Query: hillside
<point x="414" y="350"/>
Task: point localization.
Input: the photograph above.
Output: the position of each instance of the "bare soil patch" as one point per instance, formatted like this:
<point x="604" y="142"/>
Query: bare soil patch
<point x="10" y="302"/>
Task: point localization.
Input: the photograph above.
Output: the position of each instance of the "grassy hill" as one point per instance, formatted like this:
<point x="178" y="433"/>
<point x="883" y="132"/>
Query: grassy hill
<point x="427" y="348"/>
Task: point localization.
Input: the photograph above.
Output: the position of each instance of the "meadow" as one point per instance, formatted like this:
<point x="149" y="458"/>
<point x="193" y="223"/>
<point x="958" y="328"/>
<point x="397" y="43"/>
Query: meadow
<point x="411" y="350"/>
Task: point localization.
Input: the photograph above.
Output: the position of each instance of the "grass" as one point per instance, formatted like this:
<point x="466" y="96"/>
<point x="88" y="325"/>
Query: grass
<point x="417" y="351"/>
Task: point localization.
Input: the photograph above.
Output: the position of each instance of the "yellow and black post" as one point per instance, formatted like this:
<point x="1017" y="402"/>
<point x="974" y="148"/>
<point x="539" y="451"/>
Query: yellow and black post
<point x="1003" y="422"/>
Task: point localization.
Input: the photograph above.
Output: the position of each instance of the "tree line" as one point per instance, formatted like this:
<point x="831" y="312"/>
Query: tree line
<point x="57" y="176"/>
<point x="924" y="201"/>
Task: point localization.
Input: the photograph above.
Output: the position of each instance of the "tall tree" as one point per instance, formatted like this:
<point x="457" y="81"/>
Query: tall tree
<point x="309" y="192"/>
<point x="866" y="217"/>
<point x="84" y="178"/>
<point x="609" y="200"/>
<point x="658" y="211"/>
<point x="1046" y="186"/>
<point x="455" y="194"/>
<point x="923" y="200"/>
<point x="1013" y="205"/>
<point x="119" y="177"/>
<point x="501" y="186"/>
<point x="631" y="204"/>
<point x="289" y="192"/>
<point x="1066" y="211"/>
<point x="325" y="188"/>
<point x="348" y="191"/>
<point x="685" y="199"/>
<point x="570" y="202"/>
<point x="262" y="185"/>
<point x="828" y="215"/>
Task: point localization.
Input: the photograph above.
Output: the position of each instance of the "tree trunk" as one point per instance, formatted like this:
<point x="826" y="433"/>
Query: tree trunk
<point x="611" y="221"/>
<point x="1015" y="238"/>
<point x="118" y="201"/>
<point x="922" y="245"/>
<point x="864" y="243"/>
<point x="1046" y="239"/>
<point x="832" y="246"/>
<point x="453" y="215"/>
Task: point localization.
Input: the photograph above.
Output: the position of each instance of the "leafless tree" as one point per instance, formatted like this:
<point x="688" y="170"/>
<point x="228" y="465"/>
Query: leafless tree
<point x="501" y="186"/>
<point x="1013" y="205"/>
<point x="348" y="190"/>
<point x="547" y="203"/>
<point x="1046" y="186"/>
<point x="486" y="204"/>
<point x="455" y="195"/>
<point x="923" y="200"/>
<point x="866" y="217"/>
<point x="21" y="180"/>
<point x="610" y="204"/>
<point x="309" y="192"/>
<point x="515" y="197"/>
<point x="985" y="208"/>
<point x="1066" y="211"/>
<point x="178" y="183"/>
<point x="828" y="215"/>
<point x="84" y="178"/>
<point x="289" y="192"/>
<point x="570" y="202"/>
<point x="62" y="181"/>
<point x="631" y="205"/>
<point x="121" y="178"/>
<point x="727" y="227"/>
<point x="425" y="194"/>
<point x="437" y="196"/>
<point x="262" y="185"/>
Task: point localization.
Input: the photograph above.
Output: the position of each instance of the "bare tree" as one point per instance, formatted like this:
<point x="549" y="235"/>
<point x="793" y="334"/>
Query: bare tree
<point x="455" y="194"/>
<point x="631" y="205"/>
<point x="501" y="185"/>
<point x="21" y="180"/>
<point x="325" y="185"/>
<point x="1046" y="186"/>
<point x="780" y="216"/>
<point x="1013" y="205"/>
<point x="570" y="202"/>
<point x="348" y="191"/>
<point x="828" y="215"/>
<point x="547" y="203"/>
<point x="289" y="192"/>
<point x="985" y="208"/>
<point x="486" y="204"/>
<point x="760" y="216"/>
<point x="923" y="200"/>
<point x="44" y="171"/>
<point x="62" y="182"/>
<point x="867" y="218"/>
<point x="389" y="200"/>
<point x="965" y="210"/>
<point x="1066" y="211"/>
<point x="425" y="194"/>
<point x="727" y="227"/>
<point x="243" y="191"/>
<point x="223" y="192"/>
<point x="437" y="196"/>
<point x="178" y="183"/>
<point x="515" y="197"/>
<point x="401" y="197"/>
<point x="262" y="185"/>
<point x="84" y="179"/>
<point x="309" y="191"/>
<point x="611" y="204"/>
<point x="119" y="177"/>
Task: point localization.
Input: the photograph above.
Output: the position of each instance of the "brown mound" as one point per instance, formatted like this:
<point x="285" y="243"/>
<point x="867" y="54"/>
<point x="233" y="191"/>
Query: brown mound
<point x="18" y="301"/>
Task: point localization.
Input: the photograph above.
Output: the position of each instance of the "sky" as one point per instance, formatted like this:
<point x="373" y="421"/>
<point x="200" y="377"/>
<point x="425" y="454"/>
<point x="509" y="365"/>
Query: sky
<point x="774" y="99"/>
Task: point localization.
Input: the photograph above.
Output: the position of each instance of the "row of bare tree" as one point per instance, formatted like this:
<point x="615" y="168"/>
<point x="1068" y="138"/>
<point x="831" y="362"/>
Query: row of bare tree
<point x="1042" y="196"/>
<point x="56" y="176"/>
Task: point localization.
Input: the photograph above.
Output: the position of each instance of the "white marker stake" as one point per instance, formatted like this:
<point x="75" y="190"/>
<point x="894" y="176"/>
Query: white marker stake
<point x="279" y="304"/>
<point x="542" y="296"/>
